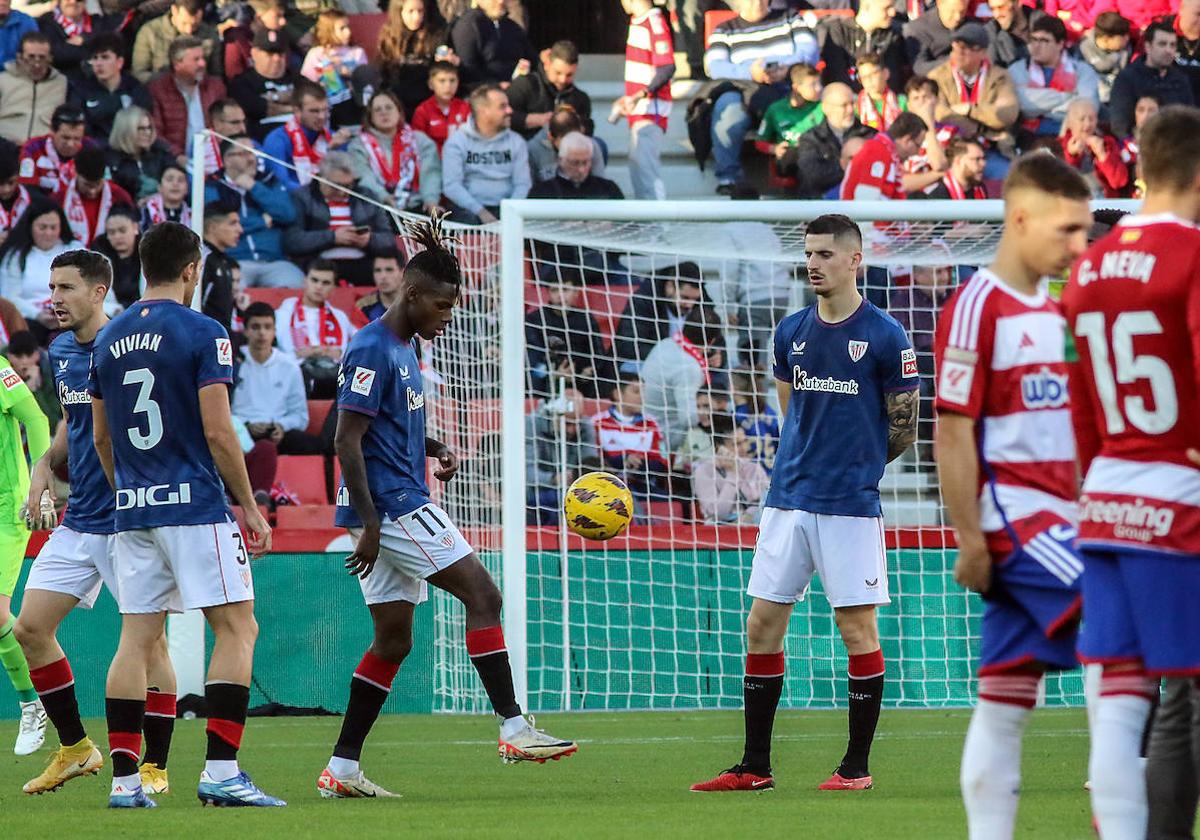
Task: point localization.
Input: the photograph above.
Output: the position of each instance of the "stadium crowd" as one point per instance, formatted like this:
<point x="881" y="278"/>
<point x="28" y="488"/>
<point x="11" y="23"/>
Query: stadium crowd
<point x="456" y="108"/>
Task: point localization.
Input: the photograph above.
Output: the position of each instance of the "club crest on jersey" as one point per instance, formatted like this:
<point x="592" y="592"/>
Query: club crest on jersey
<point x="363" y="381"/>
<point x="447" y="540"/>
<point x="858" y="349"/>
<point x="1044" y="389"/>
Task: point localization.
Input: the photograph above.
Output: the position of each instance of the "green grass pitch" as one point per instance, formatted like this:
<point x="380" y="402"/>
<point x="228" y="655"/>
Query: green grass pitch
<point x="629" y="779"/>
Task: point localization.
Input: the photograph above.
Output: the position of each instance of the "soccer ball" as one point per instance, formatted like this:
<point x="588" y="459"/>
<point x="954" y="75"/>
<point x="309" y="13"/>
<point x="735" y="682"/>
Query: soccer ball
<point x="598" y="506"/>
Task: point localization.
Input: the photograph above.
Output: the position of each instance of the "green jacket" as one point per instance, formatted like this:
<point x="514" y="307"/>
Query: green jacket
<point x="153" y="42"/>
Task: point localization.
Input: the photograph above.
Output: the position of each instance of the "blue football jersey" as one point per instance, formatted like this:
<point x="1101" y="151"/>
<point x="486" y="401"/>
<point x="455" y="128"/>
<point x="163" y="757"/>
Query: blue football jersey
<point x="148" y="365"/>
<point x="834" y="443"/>
<point x="381" y="377"/>
<point x="91" y="504"/>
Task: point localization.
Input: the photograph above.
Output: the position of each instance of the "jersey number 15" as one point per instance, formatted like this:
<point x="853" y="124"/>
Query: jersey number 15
<point x="1129" y="368"/>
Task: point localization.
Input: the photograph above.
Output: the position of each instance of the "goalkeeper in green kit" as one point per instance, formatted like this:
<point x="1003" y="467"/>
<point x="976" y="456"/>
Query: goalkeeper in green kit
<point x="18" y="409"/>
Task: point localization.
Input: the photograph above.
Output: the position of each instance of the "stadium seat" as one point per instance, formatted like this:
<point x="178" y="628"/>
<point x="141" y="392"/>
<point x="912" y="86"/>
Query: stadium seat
<point x="272" y="297"/>
<point x="713" y="19"/>
<point x="305" y="517"/>
<point x="344" y="297"/>
<point x="304" y="475"/>
<point x="663" y="513"/>
<point x="364" y="31"/>
<point x="318" y="411"/>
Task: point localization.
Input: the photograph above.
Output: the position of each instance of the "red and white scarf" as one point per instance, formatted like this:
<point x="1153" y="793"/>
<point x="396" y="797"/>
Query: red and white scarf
<point x="960" y="82"/>
<point x="71" y="28"/>
<point x="869" y="115"/>
<point x="77" y="215"/>
<point x="48" y="163"/>
<point x="212" y="156"/>
<point x="958" y="193"/>
<point x="402" y="176"/>
<point x="330" y="330"/>
<point x="8" y="218"/>
<point x="1064" y="77"/>
<point x="696" y="353"/>
<point x="156" y="211"/>
<point x="306" y="156"/>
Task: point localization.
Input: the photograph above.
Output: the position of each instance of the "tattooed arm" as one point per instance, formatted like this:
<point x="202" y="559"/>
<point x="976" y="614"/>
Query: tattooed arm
<point x="902" y="421"/>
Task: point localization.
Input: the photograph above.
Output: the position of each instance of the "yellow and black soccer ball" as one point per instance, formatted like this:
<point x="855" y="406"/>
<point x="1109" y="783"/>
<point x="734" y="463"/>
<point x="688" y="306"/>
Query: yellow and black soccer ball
<point x="598" y="506"/>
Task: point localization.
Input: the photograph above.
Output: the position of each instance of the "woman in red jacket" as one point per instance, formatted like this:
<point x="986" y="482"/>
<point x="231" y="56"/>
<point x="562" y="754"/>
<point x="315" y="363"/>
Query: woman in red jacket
<point x="1096" y="154"/>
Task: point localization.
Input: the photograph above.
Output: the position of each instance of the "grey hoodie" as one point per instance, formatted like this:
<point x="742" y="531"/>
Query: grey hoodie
<point x="479" y="172"/>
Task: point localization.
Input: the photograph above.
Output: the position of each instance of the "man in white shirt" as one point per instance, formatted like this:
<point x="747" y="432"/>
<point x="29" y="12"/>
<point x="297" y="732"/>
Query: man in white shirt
<point x="313" y="332"/>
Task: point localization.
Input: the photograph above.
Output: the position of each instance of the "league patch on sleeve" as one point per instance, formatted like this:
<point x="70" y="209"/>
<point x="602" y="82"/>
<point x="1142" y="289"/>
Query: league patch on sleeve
<point x="954" y="383"/>
<point x="364" y="380"/>
<point x="224" y="352"/>
<point x="10" y="378"/>
<point x="908" y="363"/>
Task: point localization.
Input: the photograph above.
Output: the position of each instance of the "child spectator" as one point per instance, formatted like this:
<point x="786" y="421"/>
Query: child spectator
<point x="395" y="161"/>
<point x="332" y="61"/>
<point x="877" y="105"/>
<point x="1094" y="153"/>
<point x="314" y="332"/>
<point x="89" y="197"/>
<point x="755" y="416"/>
<point x="119" y="243"/>
<point x="649" y="67"/>
<point x="440" y="115"/>
<point x="409" y="44"/>
<point x="731" y="485"/>
<point x="170" y="203"/>
<point x="698" y="442"/>
<point x="137" y="156"/>
<point x="786" y="119"/>
<point x="1107" y="49"/>
<point x="631" y="443"/>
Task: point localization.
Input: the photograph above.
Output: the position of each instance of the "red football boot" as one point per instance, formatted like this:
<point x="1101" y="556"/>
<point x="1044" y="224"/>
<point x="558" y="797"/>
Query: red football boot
<point x="735" y="778"/>
<point x="839" y="782"/>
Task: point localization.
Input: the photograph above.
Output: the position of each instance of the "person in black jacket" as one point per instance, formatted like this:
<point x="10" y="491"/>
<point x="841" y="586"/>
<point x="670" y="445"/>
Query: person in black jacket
<point x="265" y="88"/>
<point x="655" y="311"/>
<point x="1153" y="74"/>
<point x="490" y="46"/>
<point x="928" y="37"/>
<point x="70" y="28"/>
<point x="872" y="30"/>
<point x="119" y="243"/>
<point x="815" y="161"/>
<point x="222" y="230"/>
<point x="561" y="337"/>
<point x="107" y="90"/>
<point x="1008" y="31"/>
<point x="535" y="96"/>
<point x="574" y="178"/>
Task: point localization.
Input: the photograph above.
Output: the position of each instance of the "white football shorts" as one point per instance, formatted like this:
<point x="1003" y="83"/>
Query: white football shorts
<point x="182" y="567"/>
<point x="76" y="564"/>
<point x="846" y="552"/>
<point x="411" y="548"/>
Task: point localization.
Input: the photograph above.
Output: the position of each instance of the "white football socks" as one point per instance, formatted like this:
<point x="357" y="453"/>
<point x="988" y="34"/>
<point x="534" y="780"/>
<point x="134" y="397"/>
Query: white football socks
<point x="511" y="726"/>
<point x="126" y="784"/>
<point x="343" y="768"/>
<point x="1117" y="773"/>
<point x="991" y="769"/>
<point x="221" y="771"/>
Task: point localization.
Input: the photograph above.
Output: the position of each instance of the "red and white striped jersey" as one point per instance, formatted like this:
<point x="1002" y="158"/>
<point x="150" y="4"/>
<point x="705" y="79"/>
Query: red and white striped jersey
<point x="1001" y="360"/>
<point x="619" y="434"/>
<point x="647" y="48"/>
<point x="1133" y="305"/>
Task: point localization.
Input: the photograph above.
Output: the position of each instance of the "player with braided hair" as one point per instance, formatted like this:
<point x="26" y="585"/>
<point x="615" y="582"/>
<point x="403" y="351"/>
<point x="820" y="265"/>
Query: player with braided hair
<point x="403" y="540"/>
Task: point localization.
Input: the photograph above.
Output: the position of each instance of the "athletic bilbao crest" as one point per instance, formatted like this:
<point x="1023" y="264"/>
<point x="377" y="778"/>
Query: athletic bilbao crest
<point x="858" y="349"/>
<point x="448" y="540"/>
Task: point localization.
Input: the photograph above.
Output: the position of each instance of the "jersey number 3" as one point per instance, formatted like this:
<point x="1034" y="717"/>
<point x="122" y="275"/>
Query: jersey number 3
<point x="144" y="379"/>
<point x="1129" y="368"/>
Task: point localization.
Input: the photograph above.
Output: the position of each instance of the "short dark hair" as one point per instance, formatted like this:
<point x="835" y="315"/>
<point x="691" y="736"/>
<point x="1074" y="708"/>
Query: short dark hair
<point x="437" y="263"/>
<point x="723" y="428"/>
<point x="564" y="51"/>
<point x="959" y="146"/>
<point x="126" y="211"/>
<point x="869" y="57"/>
<point x="918" y="82"/>
<point x="1046" y="173"/>
<point x="305" y="87"/>
<point x="837" y="225"/>
<point x="34" y="37"/>
<point x="181" y="45"/>
<point x="103" y="42"/>
<point x="220" y="105"/>
<point x="93" y="266"/>
<point x="242" y="139"/>
<point x="220" y="207"/>
<point x="66" y="115"/>
<point x="702" y="327"/>
<point x="1112" y="23"/>
<point x="22" y="343"/>
<point x="906" y="124"/>
<point x="258" y="309"/>
<point x="91" y="163"/>
<point x="442" y="67"/>
<point x="322" y="264"/>
<point x="1167" y="149"/>
<point x="166" y="250"/>
<point x="9" y="157"/>
<point x="190" y="6"/>
<point x="563" y="121"/>
<point x="1154" y="28"/>
<point x="1051" y="26"/>
<point x="482" y="92"/>
<point x="389" y="254"/>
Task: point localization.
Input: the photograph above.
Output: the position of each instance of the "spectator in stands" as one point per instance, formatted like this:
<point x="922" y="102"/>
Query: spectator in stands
<point x="535" y="96"/>
<point x="222" y="230"/>
<point x="13" y="26"/>
<point x="48" y="162"/>
<point x="265" y="16"/>
<point x="331" y="61"/>
<point x="1008" y="31"/>
<point x="107" y="90"/>
<point x="543" y="147"/>
<point x="1093" y="152"/>
<point x="816" y="161"/>
<point x="547" y="472"/>
<point x="30" y="90"/>
<point x="40" y="235"/>
<point x="1079" y="15"/>
<point x="786" y="120"/>
<point x="678" y="368"/>
<point x="136" y="155"/>
<point x="979" y="100"/>
<point x="631" y="443"/>
<point x="303" y="141"/>
<point x="408" y="46"/>
<point x="233" y="22"/>
<point x="574" y="178"/>
<point x="395" y="161"/>
<point x="731" y="485"/>
<point x="119" y="243"/>
<point x="1107" y="50"/>
<point x="336" y="226"/>
<point x="564" y="341"/>
<point x="1147" y="107"/>
<point x="387" y="273"/>
<point x="14" y="196"/>
<point x="656" y="311"/>
<point x="442" y="113"/>
<point x="171" y="201"/>
<point x="646" y="105"/>
<point x="227" y="119"/>
<point x="928" y="37"/>
<point x="264" y="209"/>
<point x="152" y="53"/>
<point x="1050" y="79"/>
<point x="754" y="415"/>
<point x="88" y="197"/>
<point x="183" y="96"/>
<point x="926" y="167"/>
<point x="453" y="9"/>
<point x="698" y="442"/>
<point x="309" y="329"/>
<point x="964" y="179"/>
<point x="1153" y="73"/>
<point x="877" y="104"/>
<point x="266" y="88"/>
<point x="753" y="52"/>
<point x="491" y="48"/>
<point x="32" y="364"/>
<point x="1186" y="24"/>
<point x="485" y="161"/>
<point x="871" y="30"/>
<point x="753" y="289"/>
<point x="875" y="172"/>
<point x="70" y="27"/>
